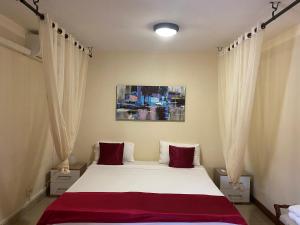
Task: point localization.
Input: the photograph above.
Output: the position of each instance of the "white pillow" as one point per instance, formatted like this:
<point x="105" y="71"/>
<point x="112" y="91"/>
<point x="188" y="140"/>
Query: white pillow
<point x="164" y="157"/>
<point x="128" y="154"/>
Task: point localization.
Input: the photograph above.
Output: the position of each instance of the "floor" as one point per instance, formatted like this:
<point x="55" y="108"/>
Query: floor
<point x="30" y="215"/>
<point x="253" y="215"/>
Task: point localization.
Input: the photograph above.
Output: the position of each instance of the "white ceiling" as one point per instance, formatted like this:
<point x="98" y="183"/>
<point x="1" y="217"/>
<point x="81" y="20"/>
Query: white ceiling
<point x="126" y="25"/>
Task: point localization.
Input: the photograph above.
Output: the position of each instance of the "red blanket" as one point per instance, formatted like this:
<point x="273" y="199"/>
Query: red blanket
<point x="133" y="207"/>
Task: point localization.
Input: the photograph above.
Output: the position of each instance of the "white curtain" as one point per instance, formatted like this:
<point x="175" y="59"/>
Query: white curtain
<point x="237" y="74"/>
<point x="65" y="67"/>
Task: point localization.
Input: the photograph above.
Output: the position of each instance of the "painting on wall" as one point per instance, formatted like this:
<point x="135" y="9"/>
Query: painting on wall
<point x="150" y="103"/>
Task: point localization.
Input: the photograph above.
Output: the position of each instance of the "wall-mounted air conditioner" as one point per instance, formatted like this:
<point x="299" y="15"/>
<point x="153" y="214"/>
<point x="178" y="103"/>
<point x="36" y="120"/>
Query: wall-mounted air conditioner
<point x="14" y="46"/>
<point x="33" y="43"/>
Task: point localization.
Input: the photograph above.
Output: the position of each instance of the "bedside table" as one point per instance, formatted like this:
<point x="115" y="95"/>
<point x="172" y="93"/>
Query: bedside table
<point x="60" y="182"/>
<point x="234" y="195"/>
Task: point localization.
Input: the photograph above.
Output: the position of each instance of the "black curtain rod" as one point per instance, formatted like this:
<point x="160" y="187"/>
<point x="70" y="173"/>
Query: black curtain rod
<point x="35" y="11"/>
<point x="264" y="24"/>
<point x="274" y="17"/>
<point x="59" y="30"/>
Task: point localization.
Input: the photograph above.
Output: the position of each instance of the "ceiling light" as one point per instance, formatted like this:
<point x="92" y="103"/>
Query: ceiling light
<point x="166" y="29"/>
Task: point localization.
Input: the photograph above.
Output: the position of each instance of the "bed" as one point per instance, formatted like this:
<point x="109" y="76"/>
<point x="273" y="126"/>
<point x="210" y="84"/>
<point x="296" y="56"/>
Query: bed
<point x="142" y="182"/>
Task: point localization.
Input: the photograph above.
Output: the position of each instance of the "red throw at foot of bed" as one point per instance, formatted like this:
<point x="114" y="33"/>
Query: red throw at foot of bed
<point x="133" y="207"/>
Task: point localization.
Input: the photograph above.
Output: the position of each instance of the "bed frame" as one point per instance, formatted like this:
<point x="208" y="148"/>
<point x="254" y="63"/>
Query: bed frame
<point x="278" y="208"/>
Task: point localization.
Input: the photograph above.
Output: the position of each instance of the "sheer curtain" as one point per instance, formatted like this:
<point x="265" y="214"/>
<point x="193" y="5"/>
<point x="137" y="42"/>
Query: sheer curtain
<point x="237" y="74"/>
<point x="65" y="69"/>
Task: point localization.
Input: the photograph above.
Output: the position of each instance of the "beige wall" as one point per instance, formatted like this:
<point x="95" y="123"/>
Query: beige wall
<point x="26" y="152"/>
<point x="274" y="153"/>
<point x="25" y="145"/>
<point x="198" y="72"/>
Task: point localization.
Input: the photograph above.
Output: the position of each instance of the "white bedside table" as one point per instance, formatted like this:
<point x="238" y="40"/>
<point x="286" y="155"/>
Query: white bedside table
<point x="60" y="182"/>
<point x="234" y="195"/>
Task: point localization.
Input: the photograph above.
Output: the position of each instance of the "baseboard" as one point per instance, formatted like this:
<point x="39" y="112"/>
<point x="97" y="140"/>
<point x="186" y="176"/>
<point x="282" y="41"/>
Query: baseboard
<point x="264" y="209"/>
<point x="14" y="215"/>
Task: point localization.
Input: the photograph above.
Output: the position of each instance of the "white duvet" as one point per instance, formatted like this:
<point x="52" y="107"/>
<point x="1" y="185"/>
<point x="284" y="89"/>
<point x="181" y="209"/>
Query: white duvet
<point x="157" y="178"/>
<point x="146" y="177"/>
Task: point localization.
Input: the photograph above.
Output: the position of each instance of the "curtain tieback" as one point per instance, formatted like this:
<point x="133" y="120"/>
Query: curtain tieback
<point x="64" y="166"/>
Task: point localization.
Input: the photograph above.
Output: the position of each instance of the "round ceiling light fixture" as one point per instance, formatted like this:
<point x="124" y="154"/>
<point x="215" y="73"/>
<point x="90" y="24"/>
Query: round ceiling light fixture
<point x="166" y="29"/>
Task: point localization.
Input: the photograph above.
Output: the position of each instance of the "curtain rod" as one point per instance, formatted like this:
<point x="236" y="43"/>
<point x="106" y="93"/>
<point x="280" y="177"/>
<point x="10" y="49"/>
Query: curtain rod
<point x="42" y="17"/>
<point x="275" y="16"/>
<point x="34" y="10"/>
<point x="263" y="26"/>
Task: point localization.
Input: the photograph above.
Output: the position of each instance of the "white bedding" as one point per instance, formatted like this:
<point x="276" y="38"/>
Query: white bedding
<point x="145" y="177"/>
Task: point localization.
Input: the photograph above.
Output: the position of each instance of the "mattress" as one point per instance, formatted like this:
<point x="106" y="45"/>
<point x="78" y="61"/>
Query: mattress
<point x="139" y="177"/>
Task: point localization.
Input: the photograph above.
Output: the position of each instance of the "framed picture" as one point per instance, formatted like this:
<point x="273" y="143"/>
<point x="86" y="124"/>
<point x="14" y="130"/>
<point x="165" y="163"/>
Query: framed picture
<point x="150" y="103"/>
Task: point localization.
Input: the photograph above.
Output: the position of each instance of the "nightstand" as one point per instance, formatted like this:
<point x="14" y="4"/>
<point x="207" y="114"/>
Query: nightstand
<point x="234" y="195"/>
<point x="60" y="182"/>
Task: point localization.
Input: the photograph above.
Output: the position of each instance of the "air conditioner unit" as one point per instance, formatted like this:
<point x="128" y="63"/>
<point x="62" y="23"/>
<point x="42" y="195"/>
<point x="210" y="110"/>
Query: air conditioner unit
<point x="33" y="43"/>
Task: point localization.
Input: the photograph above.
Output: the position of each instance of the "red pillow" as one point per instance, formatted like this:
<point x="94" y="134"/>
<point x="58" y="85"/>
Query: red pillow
<point x="111" y="153"/>
<point x="181" y="157"/>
